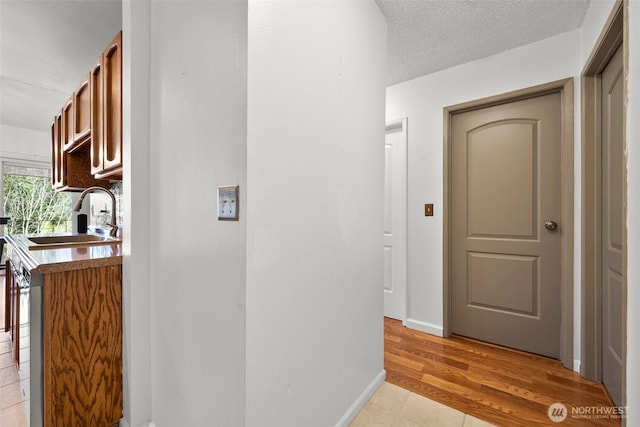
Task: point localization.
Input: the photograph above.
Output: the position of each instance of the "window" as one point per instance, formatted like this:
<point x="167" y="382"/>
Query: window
<point x="30" y="202"/>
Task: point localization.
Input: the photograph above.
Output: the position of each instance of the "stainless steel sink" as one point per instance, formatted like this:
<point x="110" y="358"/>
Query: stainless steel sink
<point x="71" y="240"/>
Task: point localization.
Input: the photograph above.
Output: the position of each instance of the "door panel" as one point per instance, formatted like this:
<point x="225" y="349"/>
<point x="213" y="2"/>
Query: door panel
<point x="501" y="195"/>
<point x="613" y="292"/>
<point x="395" y="179"/>
<point x="505" y="185"/>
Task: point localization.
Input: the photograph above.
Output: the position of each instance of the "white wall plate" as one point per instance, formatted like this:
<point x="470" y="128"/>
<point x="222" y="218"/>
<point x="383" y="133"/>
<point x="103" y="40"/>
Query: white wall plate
<point x="228" y="202"/>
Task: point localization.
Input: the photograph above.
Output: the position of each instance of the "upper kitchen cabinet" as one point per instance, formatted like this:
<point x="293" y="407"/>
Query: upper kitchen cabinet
<point x="82" y="113"/>
<point x="76" y="118"/>
<point x="56" y="152"/>
<point x="86" y="137"/>
<point x="106" y="113"/>
<point x="66" y="129"/>
<point x="70" y="171"/>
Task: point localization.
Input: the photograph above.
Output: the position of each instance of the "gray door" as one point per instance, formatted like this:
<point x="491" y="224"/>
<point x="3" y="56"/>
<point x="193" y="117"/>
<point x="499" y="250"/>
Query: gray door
<point x="613" y="292"/>
<point x="505" y="247"/>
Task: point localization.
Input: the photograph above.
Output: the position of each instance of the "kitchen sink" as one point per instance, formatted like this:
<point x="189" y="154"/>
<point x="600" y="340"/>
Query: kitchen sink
<point x="70" y="240"/>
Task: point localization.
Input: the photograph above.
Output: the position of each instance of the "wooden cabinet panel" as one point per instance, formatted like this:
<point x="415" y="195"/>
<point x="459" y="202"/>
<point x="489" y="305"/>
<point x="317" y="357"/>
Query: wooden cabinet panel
<point x="7" y="296"/>
<point x="97" y="118"/>
<point x="82" y="113"/>
<point x="113" y="105"/>
<point x="108" y="147"/>
<point x="57" y="157"/>
<point x="12" y="310"/>
<point x="82" y="339"/>
<point x="70" y="171"/>
<point x="66" y="131"/>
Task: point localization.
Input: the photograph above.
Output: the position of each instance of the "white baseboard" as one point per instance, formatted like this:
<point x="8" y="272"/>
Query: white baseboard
<point x="124" y="423"/>
<point x="362" y="400"/>
<point x="424" y="327"/>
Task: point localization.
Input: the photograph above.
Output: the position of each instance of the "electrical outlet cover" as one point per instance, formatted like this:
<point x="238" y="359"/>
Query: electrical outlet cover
<point x="228" y="202"/>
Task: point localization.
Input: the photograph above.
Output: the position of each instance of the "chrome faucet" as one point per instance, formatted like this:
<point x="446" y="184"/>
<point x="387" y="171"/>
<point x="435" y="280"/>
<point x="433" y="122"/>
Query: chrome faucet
<point x="112" y="224"/>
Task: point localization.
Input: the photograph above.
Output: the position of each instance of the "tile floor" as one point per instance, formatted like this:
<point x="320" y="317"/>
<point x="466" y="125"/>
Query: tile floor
<point x="13" y="408"/>
<point x="393" y="406"/>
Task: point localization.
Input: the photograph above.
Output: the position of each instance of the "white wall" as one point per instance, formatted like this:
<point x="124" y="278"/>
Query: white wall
<point x="633" y="217"/>
<point x="197" y="122"/>
<point x="24" y="144"/>
<point x="136" y="211"/>
<point x="314" y="228"/>
<point x="422" y="100"/>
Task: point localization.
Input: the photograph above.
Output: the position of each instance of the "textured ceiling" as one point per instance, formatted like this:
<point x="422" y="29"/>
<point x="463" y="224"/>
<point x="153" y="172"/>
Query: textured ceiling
<point x="425" y="36"/>
<point x="47" y="46"/>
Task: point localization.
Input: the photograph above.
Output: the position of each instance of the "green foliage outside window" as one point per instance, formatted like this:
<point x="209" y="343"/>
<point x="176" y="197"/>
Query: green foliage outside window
<point x="33" y="206"/>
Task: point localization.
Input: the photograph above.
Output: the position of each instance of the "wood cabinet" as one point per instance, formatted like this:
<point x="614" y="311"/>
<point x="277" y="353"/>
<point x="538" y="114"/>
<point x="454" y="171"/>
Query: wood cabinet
<point x="12" y="310"/>
<point x="57" y="165"/>
<point x="82" y="347"/>
<point x="106" y="113"/>
<point x="70" y="171"/>
<point x="86" y="137"/>
<point x="82" y="113"/>
<point x="76" y="118"/>
<point x="69" y="319"/>
<point x="66" y="129"/>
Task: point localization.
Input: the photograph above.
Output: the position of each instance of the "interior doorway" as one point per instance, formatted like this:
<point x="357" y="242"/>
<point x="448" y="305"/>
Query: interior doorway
<point x="395" y="219"/>
<point x="604" y="242"/>
<point x="486" y="262"/>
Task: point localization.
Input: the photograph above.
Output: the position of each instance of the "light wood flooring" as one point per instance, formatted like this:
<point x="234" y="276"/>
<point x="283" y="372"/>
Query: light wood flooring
<point x="502" y="386"/>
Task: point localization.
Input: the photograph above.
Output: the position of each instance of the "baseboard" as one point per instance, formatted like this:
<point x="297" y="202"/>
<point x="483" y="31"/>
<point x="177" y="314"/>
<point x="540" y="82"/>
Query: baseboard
<point x="424" y="327"/>
<point x="362" y="400"/>
<point x="124" y="423"/>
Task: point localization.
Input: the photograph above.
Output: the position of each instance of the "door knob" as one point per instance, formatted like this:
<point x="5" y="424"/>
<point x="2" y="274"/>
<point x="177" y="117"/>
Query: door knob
<point x="551" y="225"/>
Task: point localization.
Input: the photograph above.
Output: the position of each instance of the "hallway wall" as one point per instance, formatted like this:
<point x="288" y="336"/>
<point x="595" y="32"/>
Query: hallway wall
<point x="315" y="164"/>
<point x="197" y="130"/>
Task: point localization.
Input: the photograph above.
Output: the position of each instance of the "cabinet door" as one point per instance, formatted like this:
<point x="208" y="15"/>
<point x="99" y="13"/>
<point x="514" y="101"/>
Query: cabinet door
<point x="82" y="113"/>
<point x="97" y="118"/>
<point x="66" y="132"/>
<point x="57" y="155"/>
<point x="82" y="347"/>
<point x="7" y="296"/>
<point x="13" y="305"/>
<point x="70" y="170"/>
<point x="112" y="144"/>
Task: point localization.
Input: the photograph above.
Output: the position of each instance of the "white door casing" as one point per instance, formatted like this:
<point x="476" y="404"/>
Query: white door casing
<point x="395" y="219"/>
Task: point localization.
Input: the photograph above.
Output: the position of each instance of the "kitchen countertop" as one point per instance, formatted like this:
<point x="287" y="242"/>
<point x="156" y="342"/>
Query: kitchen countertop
<point x="60" y="259"/>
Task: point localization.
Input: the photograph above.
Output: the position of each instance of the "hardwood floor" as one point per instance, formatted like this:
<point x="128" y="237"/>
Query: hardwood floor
<point x="502" y="386"/>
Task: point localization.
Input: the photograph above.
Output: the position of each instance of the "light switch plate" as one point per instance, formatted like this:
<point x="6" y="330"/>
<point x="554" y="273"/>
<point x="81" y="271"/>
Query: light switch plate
<point x="228" y="203"/>
<point x="428" y="209"/>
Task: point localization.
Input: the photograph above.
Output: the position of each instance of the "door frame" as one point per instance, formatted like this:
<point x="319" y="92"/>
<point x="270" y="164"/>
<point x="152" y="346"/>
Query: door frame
<point x="611" y="38"/>
<point x="400" y="125"/>
<point x="565" y="88"/>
